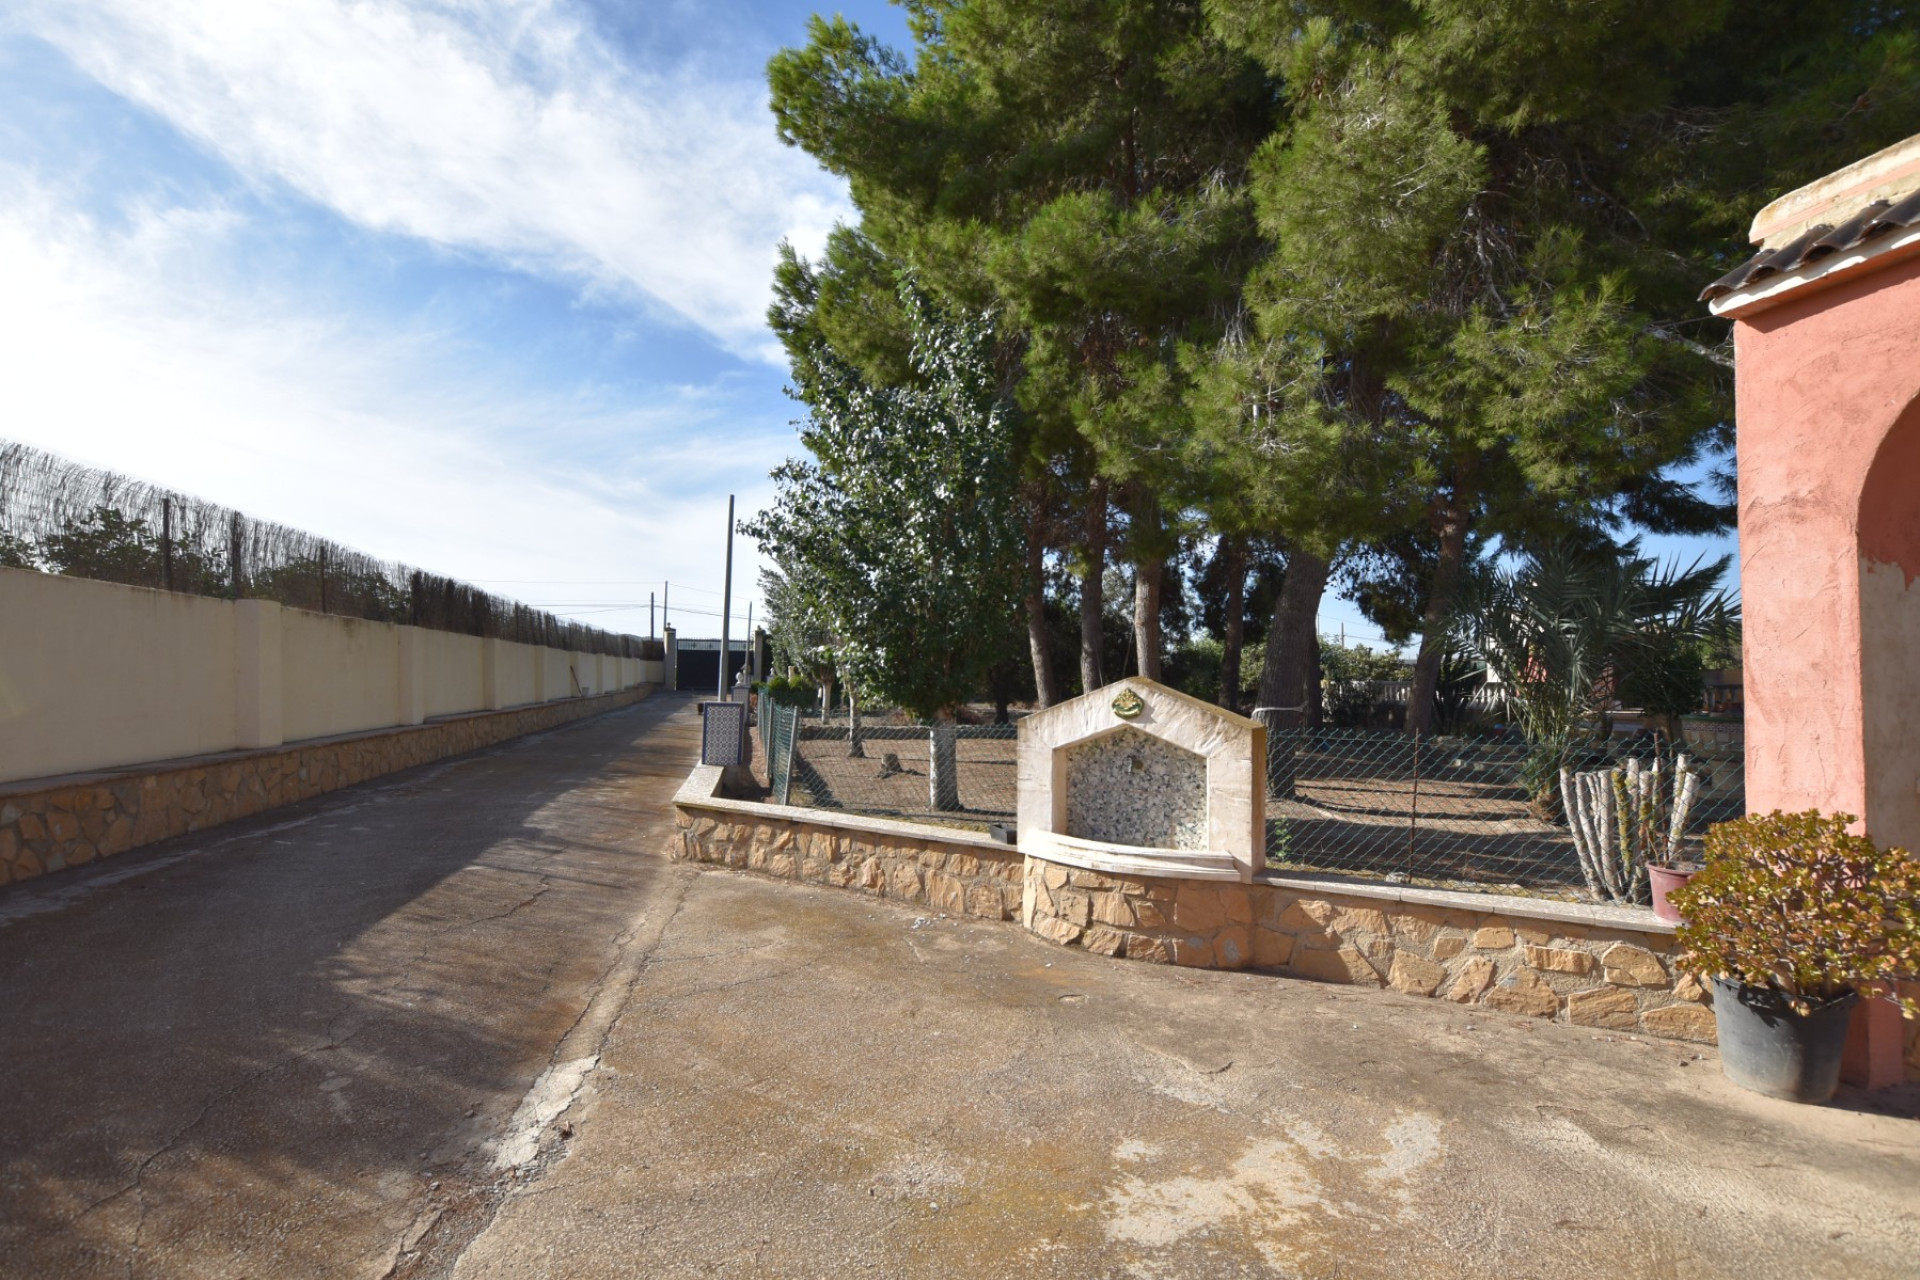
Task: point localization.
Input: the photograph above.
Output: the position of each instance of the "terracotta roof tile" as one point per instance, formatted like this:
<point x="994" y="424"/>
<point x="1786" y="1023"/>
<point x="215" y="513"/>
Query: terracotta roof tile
<point x="1875" y="220"/>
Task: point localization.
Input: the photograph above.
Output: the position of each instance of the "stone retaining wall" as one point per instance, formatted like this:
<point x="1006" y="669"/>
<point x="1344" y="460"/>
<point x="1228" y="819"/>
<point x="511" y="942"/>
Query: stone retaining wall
<point x="1593" y="966"/>
<point x="52" y="823"/>
<point x="1603" y="973"/>
<point x="960" y="874"/>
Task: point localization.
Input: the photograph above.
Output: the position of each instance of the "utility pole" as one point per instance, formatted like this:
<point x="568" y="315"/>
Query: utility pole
<point x="649" y="615"/>
<point x="666" y="594"/>
<point x="726" y="603"/>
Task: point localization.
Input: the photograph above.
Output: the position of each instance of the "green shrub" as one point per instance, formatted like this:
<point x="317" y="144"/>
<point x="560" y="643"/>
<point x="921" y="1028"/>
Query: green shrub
<point x="792" y="693"/>
<point x="1796" y="902"/>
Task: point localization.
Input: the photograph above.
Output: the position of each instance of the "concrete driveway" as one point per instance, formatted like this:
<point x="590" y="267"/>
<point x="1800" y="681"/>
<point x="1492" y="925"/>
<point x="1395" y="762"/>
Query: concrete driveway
<point x="468" y="1022"/>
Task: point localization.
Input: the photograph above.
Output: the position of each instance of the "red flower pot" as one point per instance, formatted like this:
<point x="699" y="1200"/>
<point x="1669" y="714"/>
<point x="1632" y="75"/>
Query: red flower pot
<point x="1663" y="881"/>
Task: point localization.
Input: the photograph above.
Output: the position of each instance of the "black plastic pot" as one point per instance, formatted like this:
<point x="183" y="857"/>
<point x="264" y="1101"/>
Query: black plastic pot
<point x="1766" y="1047"/>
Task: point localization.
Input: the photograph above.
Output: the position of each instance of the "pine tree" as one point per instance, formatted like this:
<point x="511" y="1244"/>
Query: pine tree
<point x="1077" y="166"/>
<point x="1487" y="222"/>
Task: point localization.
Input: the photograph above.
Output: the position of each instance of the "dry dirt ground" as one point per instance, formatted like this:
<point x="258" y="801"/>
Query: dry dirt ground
<point x="469" y="1022"/>
<point x="825" y="776"/>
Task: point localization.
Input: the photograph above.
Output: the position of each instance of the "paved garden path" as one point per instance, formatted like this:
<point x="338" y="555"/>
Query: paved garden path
<point x="469" y="1022"/>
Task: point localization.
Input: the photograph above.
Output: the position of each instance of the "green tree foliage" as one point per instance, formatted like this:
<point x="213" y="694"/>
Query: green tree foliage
<point x="1457" y="282"/>
<point x="798" y="623"/>
<point x="107" y="545"/>
<point x="1078" y="168"/>
<point x="902" y="531"/>
<point x="323" y="583"/>
<point x="1076" y="165"/>
<point x="111" y="546"/>
<point x="847" y="303"/>
<point x="17" y="553"/>
<point x="1570" y="629"/>
<point x="1359" y="662"/>
<point x="1382" y="285"/>
<point x="1349" y="678"/>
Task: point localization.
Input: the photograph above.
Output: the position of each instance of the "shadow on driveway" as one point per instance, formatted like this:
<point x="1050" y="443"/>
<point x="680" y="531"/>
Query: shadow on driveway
<point x="255" y="1051"/>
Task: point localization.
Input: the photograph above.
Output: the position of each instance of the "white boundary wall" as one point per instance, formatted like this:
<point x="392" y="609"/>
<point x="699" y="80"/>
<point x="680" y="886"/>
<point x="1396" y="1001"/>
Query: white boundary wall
<point x="95" y="675"/>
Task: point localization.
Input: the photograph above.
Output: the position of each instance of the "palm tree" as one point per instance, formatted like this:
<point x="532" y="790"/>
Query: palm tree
<point x="1660" y="660"/>
<point x="1570" y="626"/>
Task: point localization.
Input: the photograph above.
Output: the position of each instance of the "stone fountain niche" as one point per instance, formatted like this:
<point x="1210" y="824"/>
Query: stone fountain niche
<point x="1128" y="788"/>
<point x="1139" y="779"/>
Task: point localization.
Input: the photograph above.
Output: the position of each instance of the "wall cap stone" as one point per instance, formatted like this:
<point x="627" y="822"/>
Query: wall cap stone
<point x="1133" y="860"/>
<point x="700" y="793"/>
<point x="1638" y="919"/>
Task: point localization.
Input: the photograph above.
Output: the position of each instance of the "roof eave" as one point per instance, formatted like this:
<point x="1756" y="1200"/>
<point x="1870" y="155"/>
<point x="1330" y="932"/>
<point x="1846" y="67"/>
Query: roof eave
<point x="1835" y="268"/>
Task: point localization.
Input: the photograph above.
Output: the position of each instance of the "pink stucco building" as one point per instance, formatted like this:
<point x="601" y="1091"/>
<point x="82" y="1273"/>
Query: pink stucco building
<point x="1827" y="375"/>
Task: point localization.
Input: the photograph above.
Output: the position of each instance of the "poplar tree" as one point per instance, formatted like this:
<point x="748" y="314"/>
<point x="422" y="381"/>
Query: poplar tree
<point x="900" y="528"/>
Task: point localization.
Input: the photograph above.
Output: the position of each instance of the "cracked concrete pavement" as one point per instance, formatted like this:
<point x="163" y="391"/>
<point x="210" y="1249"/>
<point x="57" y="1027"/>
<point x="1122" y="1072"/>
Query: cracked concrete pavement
<point x="469" y="1022"/>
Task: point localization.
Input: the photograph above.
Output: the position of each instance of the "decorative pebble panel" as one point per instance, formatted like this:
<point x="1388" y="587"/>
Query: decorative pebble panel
<point x="1133" y="789"/>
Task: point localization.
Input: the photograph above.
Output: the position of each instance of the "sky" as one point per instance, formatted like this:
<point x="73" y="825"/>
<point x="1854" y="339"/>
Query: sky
<point x="478" y="285"/>
<point x="474" y="284"/>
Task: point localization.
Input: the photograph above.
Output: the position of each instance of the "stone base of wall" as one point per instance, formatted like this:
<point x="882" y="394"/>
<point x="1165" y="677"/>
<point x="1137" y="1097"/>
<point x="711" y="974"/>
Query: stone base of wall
<point x="955" y="877"/>
<point x="1618" y="978"/>
<point x="51" y="823"/>
<point x="1604" y="967"/>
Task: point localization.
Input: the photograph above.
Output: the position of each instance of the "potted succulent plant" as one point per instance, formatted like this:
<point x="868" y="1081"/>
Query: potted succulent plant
<point x="1791" y="918"/>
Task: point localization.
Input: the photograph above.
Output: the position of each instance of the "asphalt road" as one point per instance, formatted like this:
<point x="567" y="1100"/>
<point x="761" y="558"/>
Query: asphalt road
<point x="468" y="1022"/>
<point x="264" y="1050"/>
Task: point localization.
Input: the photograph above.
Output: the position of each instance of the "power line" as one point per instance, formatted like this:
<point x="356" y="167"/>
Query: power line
<point x="612" y="606"/>
<point x="593" y="582"/>
<point x="632" y="608"/>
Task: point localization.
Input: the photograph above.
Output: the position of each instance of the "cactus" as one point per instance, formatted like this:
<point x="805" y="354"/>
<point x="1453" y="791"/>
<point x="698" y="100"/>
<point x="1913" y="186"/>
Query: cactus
<point x="1624" y="818"/>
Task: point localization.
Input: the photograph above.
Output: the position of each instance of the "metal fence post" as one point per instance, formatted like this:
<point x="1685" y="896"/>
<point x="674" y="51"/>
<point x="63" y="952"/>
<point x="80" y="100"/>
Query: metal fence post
<point x="166" y="543"/>
<point x="1413" y="809"/>
<point x="239" y="574"/>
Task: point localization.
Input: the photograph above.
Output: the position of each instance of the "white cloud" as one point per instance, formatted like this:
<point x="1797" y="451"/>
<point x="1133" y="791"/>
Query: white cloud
<point x="504" y="126"/>
<point x="115" y="349"/>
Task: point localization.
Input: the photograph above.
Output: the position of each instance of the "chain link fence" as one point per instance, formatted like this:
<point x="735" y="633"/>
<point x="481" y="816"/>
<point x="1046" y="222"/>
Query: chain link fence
<point x="779" y="726"/>
<point x="884" y="768"/>
<point x="57" y="516"/>
<point x="1455" y="812"/>
<point x="1462" y="813"/>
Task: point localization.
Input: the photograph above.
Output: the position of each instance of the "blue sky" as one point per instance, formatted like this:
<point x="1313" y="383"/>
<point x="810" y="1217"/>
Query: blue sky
<point x="475" y="284"/>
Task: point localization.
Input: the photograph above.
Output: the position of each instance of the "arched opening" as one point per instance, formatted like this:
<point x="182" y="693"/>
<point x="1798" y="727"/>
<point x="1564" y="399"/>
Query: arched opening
<point x="1889" y="525"/>
<point x="1890" y="498"/>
